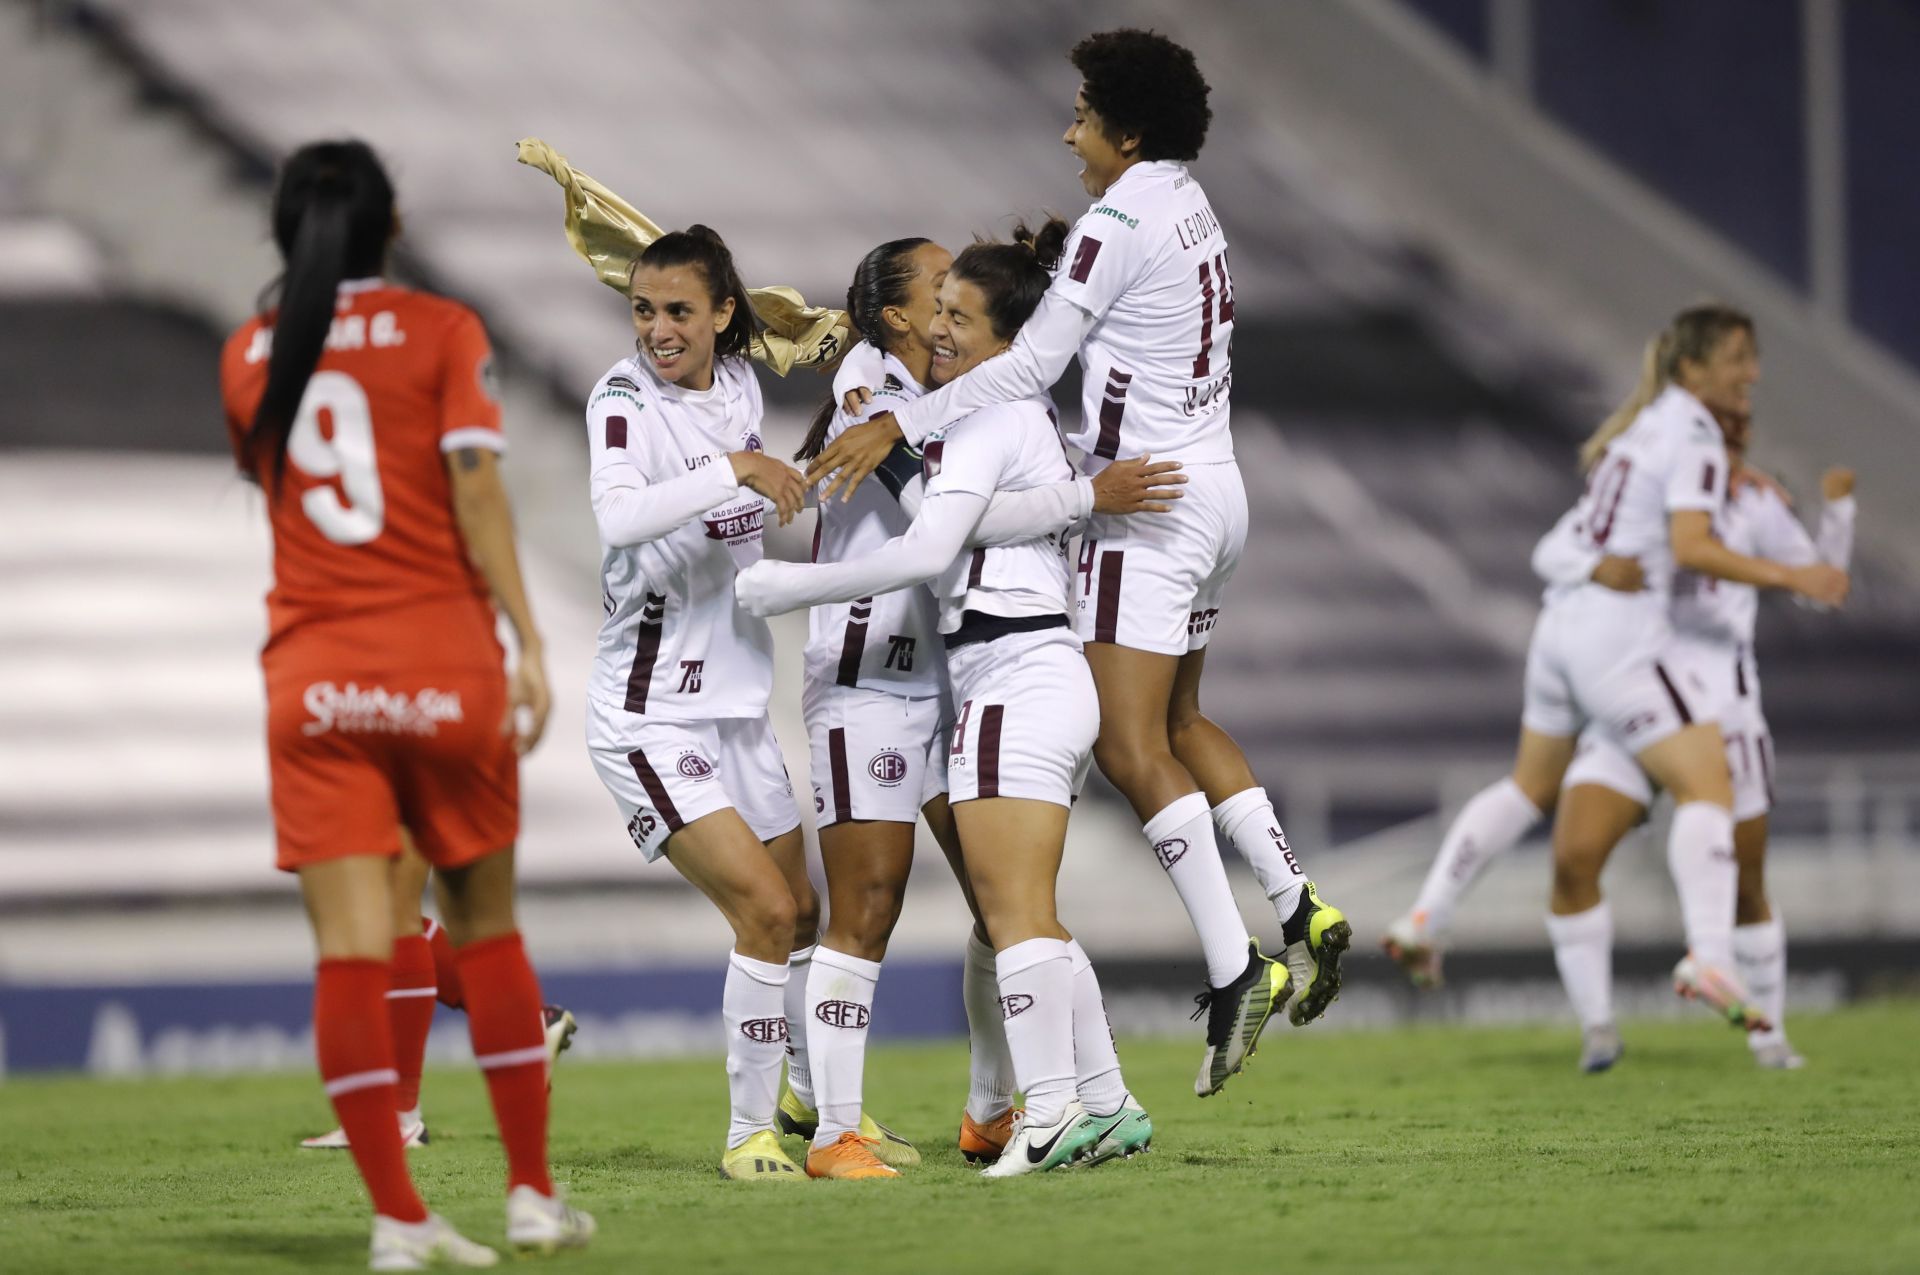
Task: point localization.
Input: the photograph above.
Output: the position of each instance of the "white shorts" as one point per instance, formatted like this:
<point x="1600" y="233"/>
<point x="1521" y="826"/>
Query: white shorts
<point x="1608" y="660"/>
<point x="1026" y="719"/>
<point x="1155" y="582"/>
<point x="665" y="775"/>
<point x="874" y="755"/>
<point x="1743" y="726"/>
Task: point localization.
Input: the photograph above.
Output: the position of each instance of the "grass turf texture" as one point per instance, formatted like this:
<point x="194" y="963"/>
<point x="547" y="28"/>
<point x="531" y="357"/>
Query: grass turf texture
<point x="1437" y="1149"/>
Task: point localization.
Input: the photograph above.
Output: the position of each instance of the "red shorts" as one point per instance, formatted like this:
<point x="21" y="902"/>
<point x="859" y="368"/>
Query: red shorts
<point x="354" y="757"/>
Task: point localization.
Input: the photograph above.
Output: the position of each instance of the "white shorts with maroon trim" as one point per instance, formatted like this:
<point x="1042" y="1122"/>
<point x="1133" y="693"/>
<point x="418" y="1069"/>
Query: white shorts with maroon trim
<point x="874" y="755"/>
<point x="665" y="775"/>
<point x="1743" y="726"/>
<point x="1155" y="582"/>
<point x="1025" y="719"/>
<point x="1604" y="657"/>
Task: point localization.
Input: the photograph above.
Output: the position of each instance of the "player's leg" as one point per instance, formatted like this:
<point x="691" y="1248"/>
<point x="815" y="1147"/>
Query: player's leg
<point x="987" y="1120"/>
<point x="1013" y="848"/>
<point x="1604" y="799"/>
<point x="1316" y="935"/>
<point x="720" y="855"/>
<point x="1760" y="946"/>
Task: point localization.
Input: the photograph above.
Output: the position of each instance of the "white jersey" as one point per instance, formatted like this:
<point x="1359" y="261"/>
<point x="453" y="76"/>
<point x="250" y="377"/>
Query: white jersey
<point x="1007" y="447"/>
<point x="675" y="528"/>
<point x="1672" y="458"/>
<point x="888" y="642"/>
<point x="1758" y="523"/>
<point x="1149" y="262"/>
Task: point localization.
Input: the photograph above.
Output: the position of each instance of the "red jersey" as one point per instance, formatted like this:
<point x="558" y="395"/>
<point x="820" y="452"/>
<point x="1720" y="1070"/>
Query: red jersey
<point x="370" y="571"/>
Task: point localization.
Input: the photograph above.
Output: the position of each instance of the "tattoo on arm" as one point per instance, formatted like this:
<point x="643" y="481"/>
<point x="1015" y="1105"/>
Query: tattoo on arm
<point x="469" y="458"/>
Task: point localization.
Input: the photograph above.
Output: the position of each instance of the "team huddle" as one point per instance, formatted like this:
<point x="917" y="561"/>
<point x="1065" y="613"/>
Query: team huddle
<point x="965" y="664"/>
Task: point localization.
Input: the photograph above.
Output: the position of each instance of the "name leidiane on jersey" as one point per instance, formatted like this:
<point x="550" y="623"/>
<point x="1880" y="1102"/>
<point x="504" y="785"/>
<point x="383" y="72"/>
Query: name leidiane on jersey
<point x="374" y="710"/>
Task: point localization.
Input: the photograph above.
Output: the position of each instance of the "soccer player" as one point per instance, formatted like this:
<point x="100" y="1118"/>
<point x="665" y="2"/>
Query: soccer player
<point x="1657" y="473"/>
<point x="677" y="701"/>
<point x="366" y="414"/>
<point x="1145" y="296"/>
<point x="425" y="974"/>
<point x="1604" y="795"/>
<point x="877" y="722"/>
<point x="1027" y="712"/>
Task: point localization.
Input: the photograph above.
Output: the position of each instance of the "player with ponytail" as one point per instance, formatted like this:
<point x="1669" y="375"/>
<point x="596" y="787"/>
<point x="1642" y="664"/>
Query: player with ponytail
<point x="367" y="414"/>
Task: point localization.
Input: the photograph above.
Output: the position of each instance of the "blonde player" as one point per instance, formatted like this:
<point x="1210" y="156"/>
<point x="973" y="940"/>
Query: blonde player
<point x="1145" y="296"/>
<point x="677" y="702"/>
<point x="1657" y="473"/>
<point x="1604" y="795"/>
<point x="877" y="719"/>
<point x="1027" y="712"/>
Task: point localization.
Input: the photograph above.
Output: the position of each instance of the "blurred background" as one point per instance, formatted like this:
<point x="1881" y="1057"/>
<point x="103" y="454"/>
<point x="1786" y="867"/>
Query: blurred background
<point x="1454" y="224"/>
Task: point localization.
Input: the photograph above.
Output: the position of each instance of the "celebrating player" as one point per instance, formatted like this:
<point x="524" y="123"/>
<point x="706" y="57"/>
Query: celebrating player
<point x="1146" y="298"/>
<point x="366" y="414"/>
<point x="677" y="702"/>
<point x="1657" y="473"/>
<point x="1604" y="795"/>
<point x="877" y="719"/>
<point x="1028" y="713"/>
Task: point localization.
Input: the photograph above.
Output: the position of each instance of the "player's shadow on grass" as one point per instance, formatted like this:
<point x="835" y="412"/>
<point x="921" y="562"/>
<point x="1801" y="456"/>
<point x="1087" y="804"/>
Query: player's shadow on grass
<point x="327" y="1245"/>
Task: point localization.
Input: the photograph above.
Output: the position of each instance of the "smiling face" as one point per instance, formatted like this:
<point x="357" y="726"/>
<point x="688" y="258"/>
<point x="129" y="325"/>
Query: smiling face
<point x="1724" y="380"/>
<point x="962" y="334"/>
<point x="677" y="323"/>
<point x="911" y="321"/>
<point x="1105" y="157"/>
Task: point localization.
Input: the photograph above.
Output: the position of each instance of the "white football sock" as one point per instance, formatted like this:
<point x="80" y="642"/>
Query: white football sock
<point x="1247" y="820"/>
<point x="1700" y="856"/>
<point x="1095" y="1060"/>
<point x="1760" y="950"/>
<point x="990" y="1080"/>
<point x="755" y="1013"/>
<point x="799" y="1073"/>
<point x="1583" y="949"/>
<point x="1036" y="1000"/>
<point x="1182" y="839"/>
<point x="839" y="1006"/>
<point x="1488" y="826"/>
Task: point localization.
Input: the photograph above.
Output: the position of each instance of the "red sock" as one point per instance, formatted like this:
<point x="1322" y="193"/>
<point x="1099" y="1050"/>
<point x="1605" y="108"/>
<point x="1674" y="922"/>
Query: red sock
<point x="355" y="1044"/>
<point x="510" y="1044"/>
<point x="446" y="969"/>
<point x="410" y="1010"/>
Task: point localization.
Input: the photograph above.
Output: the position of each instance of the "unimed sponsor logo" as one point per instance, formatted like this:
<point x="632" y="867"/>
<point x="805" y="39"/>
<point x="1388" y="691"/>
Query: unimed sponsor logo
<point x="888" y="769"/>
<point x="767" y="1031"/>
<point x="1170" y="851"/>
<point x="374" y="710"/>
<point x="1015" y="1005"/>
<point x="841" y="1013"/>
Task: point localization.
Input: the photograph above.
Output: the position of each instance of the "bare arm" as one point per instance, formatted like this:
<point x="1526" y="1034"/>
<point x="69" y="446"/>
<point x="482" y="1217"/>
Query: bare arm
<point x="1696" y="548"/>
<point x="485" y="518"/>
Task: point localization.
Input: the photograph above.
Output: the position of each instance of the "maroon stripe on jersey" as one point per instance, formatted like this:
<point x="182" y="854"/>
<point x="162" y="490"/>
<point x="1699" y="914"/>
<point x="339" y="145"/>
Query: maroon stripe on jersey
<point x="616" y="431"/>
<point x="975" y="567"/>
<point x="1764" y="746"/>
<point x="646" y="649"/>
<point x="1673" y="693"/>
<point x="1740" y="674"/>
<point x="814" y="554"/>
<point x="989" y="750"/>
<point x="1083" y="259"/>
<point x="656" y="790"/>
<point x="1708" y="472"/>
<point x="1113" y="405"/>
<point x="1106" y="612"/>
<point x="837" y="765"/>
<point x="853" y="646"/>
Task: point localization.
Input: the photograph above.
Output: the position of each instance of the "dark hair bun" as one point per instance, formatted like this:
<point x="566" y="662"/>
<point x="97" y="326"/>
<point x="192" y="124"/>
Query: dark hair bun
<point x="1045" y="243"/>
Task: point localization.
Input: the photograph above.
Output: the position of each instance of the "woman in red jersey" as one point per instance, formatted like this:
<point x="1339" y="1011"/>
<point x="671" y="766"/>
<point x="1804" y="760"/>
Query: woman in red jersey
<point x="366" y="414"/>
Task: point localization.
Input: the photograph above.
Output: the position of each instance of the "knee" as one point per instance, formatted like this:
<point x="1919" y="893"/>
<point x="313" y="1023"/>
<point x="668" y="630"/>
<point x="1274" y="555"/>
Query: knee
<point x="1538" y="790"/>
<point x="767" y="918"/>
<point x="1124" y="760"/>
<point x="867" y="914"/>
<point x="1576" y="872"/>
<point x="806" y="916"/>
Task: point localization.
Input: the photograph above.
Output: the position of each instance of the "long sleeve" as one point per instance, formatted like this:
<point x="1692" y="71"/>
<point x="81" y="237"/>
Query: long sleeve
<point x="927" y="548"/>
<point x="1014" y="516"/>
<point x="630" y="511"/>
<point x="1035" y="360"/>
<point x="1560" y="558"/>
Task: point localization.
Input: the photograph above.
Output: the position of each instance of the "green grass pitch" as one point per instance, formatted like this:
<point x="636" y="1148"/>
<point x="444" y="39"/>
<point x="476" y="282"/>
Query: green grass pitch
<point x="1431" y="1150"/>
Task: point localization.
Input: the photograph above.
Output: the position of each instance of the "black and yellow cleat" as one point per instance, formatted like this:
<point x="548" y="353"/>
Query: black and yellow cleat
<point x="1236" y="1015"/>
<point x="1317" y="937"/>
<point x="795" y="1119"/>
